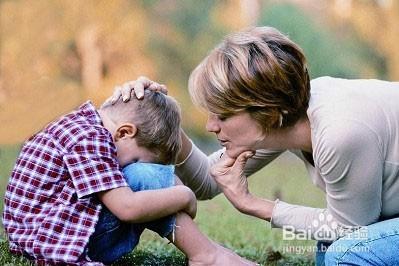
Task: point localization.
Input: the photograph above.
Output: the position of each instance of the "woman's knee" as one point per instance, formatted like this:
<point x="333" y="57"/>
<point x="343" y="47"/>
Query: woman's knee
<point x="377" y="250"/>
<point x="331" y="257"/>
<point x="371" y="245"/>
<point x="346" y="251"/>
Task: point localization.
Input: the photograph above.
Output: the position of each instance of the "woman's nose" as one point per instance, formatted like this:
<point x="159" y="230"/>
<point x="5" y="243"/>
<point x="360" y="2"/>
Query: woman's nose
<point x="212" y="124"/>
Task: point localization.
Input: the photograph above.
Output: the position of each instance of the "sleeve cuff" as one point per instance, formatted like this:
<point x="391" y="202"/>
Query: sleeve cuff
<point x="272" y="225"/>
<point x="188" y="156"/>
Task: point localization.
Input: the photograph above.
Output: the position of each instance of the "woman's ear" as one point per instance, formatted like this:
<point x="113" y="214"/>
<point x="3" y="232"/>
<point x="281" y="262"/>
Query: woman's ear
<point x="125" y="131"/>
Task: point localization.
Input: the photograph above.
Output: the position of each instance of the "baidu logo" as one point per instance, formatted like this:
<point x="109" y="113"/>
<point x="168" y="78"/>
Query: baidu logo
<point x="324" y="227"/>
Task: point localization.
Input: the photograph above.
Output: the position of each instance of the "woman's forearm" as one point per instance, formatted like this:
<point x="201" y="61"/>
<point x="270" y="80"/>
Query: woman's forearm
<point x="193" y="169"/>
<point x="257" y="207"/>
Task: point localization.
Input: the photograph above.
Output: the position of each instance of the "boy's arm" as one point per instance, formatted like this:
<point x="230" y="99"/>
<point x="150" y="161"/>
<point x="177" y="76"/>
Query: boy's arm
<point x="148" y="205"/>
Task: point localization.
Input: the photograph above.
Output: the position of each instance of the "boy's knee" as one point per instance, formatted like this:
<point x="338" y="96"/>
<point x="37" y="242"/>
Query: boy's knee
<point x="147" y="176"/>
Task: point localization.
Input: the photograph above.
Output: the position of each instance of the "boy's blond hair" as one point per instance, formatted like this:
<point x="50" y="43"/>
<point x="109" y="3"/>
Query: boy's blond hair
<point x="157" y="118"/>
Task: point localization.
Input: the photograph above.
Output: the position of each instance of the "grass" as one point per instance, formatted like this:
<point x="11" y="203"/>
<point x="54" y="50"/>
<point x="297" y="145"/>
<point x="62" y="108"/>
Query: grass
<point x="249" y="237"/>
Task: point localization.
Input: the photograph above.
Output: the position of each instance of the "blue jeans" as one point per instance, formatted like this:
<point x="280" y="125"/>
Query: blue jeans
<point x="378" y="246"/>
<point x="113" y="238"/>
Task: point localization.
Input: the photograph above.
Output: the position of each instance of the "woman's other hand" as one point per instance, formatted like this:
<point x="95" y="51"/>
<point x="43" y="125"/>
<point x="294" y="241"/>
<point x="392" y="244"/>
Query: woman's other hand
<point x="137" y="86"/>
<point x="229" y="174"/>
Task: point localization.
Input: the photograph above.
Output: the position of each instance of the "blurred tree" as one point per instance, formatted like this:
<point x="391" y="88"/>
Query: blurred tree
<point x="182" y="33"/>
<point x="327" y="52"/>
<point x="91" y="58"/>
<point x="376" y="21"/>
<point x="46" y="50"/>
<point x="238" y="14"/>
<point x="250" y="10"/>
<point x="41" y="67"/>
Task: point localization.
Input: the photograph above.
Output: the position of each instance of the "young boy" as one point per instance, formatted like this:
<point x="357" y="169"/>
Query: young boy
<point x="67" y="201"/>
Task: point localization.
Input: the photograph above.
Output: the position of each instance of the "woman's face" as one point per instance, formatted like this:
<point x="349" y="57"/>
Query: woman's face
<point x="238" y="133"/>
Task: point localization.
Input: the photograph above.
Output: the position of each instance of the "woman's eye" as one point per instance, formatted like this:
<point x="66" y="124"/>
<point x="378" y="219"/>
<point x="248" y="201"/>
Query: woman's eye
<point x="222" y="117"/>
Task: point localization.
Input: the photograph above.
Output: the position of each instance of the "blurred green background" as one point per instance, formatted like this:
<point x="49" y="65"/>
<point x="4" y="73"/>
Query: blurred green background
<point x="55" y="55"/>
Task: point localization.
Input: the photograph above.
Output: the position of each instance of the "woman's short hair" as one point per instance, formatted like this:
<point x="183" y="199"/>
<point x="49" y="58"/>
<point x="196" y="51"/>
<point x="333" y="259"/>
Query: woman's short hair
<point x="157" y="118"/>
<point x="258" y="70"/>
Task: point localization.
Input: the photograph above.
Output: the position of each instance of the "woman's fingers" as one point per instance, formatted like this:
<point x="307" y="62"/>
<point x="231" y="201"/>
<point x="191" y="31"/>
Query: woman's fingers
<point x="144" y="83"/>
<point x="117" y="93"/>
<point x="150" y="85"/>
<point x="158" y="87"/>
<point x="164" y="89"/>
<point x="226" y="161"/>
<point x="126" y="90"/>
<point x="141" y="84"/>
<point x="155" y="87"/>
<point x="229" y="168"/>
<point x="136" y="88"/>
<point x="229" y="175"/>
<point x="242" y="159"/>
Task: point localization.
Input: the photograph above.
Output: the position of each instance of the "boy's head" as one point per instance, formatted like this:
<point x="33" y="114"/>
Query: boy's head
<point x="146" y="129"/>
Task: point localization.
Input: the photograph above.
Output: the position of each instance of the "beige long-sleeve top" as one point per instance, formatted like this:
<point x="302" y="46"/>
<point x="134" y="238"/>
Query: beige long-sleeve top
<point x="355" y="141"/>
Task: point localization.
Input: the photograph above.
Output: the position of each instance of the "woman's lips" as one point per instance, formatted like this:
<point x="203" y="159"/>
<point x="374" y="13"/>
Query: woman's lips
<point x="222" y="142"/>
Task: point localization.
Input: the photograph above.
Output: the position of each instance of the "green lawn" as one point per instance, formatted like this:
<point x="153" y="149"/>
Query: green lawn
<point x="247" y="236"/>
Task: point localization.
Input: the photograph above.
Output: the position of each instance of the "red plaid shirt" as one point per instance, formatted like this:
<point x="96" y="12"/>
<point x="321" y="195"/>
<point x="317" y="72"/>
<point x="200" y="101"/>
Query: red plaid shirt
<point x="51" y="207"/>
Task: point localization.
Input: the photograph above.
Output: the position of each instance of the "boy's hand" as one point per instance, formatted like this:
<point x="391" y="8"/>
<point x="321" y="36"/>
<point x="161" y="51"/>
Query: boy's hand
<point x="137" y="87"/>
<point x="191" y="206"/>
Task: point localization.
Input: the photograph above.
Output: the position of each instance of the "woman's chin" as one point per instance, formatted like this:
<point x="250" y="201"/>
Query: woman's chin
<point x="234" y="153"/>
<point x="231" y="154"/>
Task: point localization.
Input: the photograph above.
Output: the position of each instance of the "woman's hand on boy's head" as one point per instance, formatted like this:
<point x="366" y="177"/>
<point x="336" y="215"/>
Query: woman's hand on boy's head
<point x="136" y="87"/>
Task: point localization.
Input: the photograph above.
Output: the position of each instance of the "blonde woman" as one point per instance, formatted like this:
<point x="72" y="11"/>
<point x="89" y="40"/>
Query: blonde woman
<point x="256" y="89"/>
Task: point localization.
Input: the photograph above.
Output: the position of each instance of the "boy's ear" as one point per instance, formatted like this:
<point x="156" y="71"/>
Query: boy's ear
<point x="125" y="131"/>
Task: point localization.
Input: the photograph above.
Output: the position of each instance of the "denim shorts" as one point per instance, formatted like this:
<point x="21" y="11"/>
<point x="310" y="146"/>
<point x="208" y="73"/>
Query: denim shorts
<point x="112" y="238"/>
